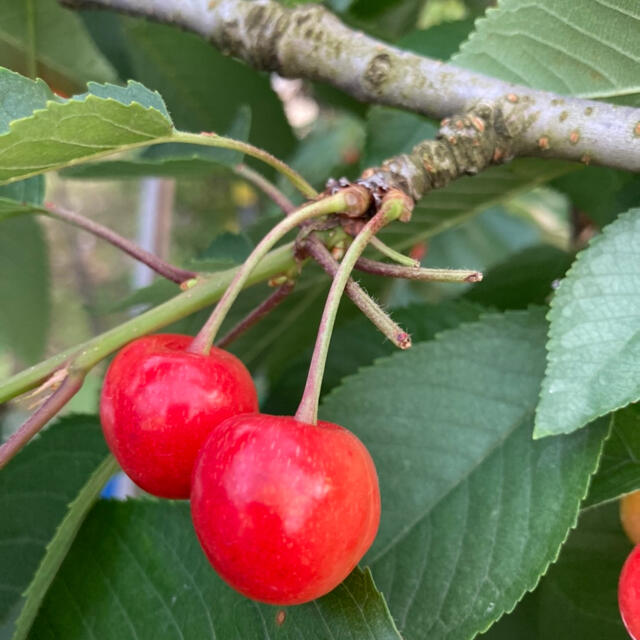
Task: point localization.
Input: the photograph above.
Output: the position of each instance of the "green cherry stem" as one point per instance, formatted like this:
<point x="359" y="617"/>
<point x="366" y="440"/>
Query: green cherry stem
<point x="350" y="199"/>
<point x="392" y="254"/>
<point x="214" y="140"/>
<point x="417" y="273"/>
<point x="269" y="189"/>
<point x="391" y="209"/>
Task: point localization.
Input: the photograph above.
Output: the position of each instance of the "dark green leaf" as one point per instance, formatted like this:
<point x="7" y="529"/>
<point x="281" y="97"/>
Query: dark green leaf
<point x="203" y="88"/>
<point x="24" y="287"/>
<point x="16" y="198"/>
<point x="440" y="41"/>
<point x="525" y="278"/>
<point x="590" y="49"/>
<point x="347" y="355"/>
<point x="36" y="488"/>
<point x="601" y="193"/>
<point x="578" y="597"/>
<point x="474" y="510"/>
<point x="594" y="337"/>
<point x="61" y="49"/>
<point x="619" y="471"/>
<point x="136" y="570"/>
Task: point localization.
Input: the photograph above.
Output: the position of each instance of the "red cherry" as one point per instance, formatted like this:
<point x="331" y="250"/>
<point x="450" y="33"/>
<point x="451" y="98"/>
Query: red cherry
<point x="629" y="593"/>
<point x="160" y="402"/>
<point x="284" y="509"/>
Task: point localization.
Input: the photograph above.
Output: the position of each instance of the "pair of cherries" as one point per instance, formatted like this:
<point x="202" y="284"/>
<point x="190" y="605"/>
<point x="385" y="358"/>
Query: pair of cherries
<point x="284" y="510"/>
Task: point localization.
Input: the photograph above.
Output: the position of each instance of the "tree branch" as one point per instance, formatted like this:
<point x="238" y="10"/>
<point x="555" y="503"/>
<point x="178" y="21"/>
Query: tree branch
<point x="308" y="41"/>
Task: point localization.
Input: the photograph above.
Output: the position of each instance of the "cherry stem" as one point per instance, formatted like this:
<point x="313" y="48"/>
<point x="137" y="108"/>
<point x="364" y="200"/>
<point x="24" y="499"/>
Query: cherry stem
<point x="392" y="208"/>
<point x="267" y="305"/>
<point x="206" y="138"/>
<point x="166" y="270"/>
<point x="392" y="254"/>
<point x="400" y="338"/>
<point x="269" y="189"/>
<point x="350" y="199"/>
<point x="69" y="387"/>
<point x="417" y="273"/>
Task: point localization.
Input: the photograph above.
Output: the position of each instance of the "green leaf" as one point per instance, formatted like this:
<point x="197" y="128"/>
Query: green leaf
<point x="619" y="471"/>
<point x="17" y="198"/>
<point x="36" y="489"/>
<point x="24" y="286"/>
<point x="172" y="160"/>
<point x="57" y="134"/>
<point x="525" y="278"/>
<point x="473" y="509"/>
<point x="600" y="192"/>
<point x="136" y="570"/>
<point x="346" y="355"/>
<point x="440" y="41"/>
<point x="578" y="598"/>
<point x="594" y="337"/>
<point x="62" y="51"/>
<point x="589" y="49"/>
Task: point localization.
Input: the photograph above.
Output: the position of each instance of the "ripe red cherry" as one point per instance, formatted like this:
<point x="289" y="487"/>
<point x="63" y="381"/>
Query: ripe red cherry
<point x="160" y="402"/>
<point x="629" y="593"/>
<point x="284" y="509"/>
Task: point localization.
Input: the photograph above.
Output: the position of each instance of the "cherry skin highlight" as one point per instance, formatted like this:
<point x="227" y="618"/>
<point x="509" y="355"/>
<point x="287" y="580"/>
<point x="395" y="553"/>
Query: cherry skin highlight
<point x="629" y="593"/>
<point x="160" y="402"/>
<point x="284" y="510"/>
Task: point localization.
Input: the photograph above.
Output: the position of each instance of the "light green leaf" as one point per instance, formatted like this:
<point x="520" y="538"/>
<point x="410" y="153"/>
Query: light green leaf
<point x="63" y="53"/>
<point x="172" y="160"/>
<point x="619" y="471"/>
<point x="36" y="489"/>
<point x="473" y="509"/>
<point x="58" y="134"/>
<point x="589" y="49"/>
<point x="594" y="337"/>
<point x="136" y="570"/>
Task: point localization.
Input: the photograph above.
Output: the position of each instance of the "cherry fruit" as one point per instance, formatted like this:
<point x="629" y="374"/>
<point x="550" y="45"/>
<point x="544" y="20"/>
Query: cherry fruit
<point x="629" y="593"/>
<point x="160" y="402"/>
<point x="284" y="509"/>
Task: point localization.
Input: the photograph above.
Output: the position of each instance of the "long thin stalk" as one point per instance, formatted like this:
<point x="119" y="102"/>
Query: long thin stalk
<point x="417" y="273"/>
<point x="392" y="254"/>
<point x="267" y="305"/>
<point x="339" y="201"/>
<point x="269" y="189"/>
<point x="41" y="416"/>
<point x="391" y="209"/>
<point x="158" y="265"/>
<point x="380" y="319"/>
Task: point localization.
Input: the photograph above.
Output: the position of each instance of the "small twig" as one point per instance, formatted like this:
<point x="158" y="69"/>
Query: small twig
<point x="161" y="267"/>
<point x="258" y="313"/>
<point x="417" y="273"/>
<point x="269" y="189"/>
<point x="41" y="416"/>
<point x="392" y="254"/>
<point x="381" y="320"/>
